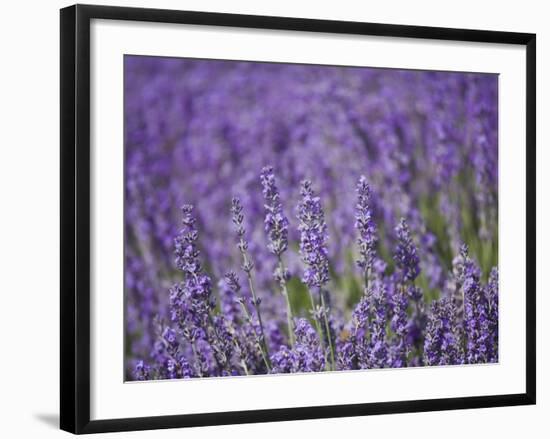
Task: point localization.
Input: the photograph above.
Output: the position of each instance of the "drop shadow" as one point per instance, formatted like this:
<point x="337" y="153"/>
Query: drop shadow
<point x="49" y="419"/>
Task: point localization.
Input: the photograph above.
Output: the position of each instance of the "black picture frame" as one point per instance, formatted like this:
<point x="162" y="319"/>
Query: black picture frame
<point x="75" y="217"/>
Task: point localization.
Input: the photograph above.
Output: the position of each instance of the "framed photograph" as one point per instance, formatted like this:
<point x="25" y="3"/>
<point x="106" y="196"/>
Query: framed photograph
<point x="268" y="218"/>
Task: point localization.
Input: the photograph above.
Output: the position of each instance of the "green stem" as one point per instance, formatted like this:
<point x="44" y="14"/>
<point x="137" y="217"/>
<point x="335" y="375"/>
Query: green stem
<point x="247" y="267"/>
<point x="366" y="280"/>
<point x="266" y="359"/>
<point x="284" y="289"/>
<point x="257" y="308"/>
<point x="327" y="328"/>
<point x="317" y="326"/>
<point x="315" y="320"/>
<point x="243" y="362"/>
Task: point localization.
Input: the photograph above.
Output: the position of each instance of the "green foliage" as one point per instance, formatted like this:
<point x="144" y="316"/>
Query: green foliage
<point x="299" y="297"/>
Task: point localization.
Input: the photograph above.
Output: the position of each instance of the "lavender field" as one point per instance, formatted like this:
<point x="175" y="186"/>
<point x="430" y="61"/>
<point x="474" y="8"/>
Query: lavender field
<point x="294" y="218"/>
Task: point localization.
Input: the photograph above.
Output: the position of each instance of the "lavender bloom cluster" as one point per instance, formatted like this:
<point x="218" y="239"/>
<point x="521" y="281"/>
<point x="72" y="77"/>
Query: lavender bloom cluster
<point x="371" y="242"/>
<point x="204" y="338"/>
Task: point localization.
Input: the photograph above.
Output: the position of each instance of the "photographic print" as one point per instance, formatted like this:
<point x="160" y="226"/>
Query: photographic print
<point x="292" y="218"/>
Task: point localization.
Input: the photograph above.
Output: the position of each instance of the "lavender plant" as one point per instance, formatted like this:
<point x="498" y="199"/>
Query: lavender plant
<point x="276" y="228"/>
<point x="366" y="228"/>
<point x="392" y="180"/>
<point x="313" y="249"/>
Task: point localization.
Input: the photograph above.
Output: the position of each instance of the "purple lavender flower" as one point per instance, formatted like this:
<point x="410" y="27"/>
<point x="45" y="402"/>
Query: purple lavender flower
<point x="364" y="223"/>
<point x="142" y="371"/>
<point x="179" y="368"/>
<point x="461" y="263"/>
<point x="248" y="265"/>
<point x="171" y="341"/>
<point x="407" y="263"/>
<point x="257" y="330"/>
<point x="224" y="348"/>
<point x="400" y="348"/>
<point x="229" y="300"/>
<point x="359" y="333"/>
<point x="345" y="355"/>
<point x="306" y="356"/>
<point x="406" y="257"/>
<point x="205" y="360"/>
<point x="492" y="302"/>
<point x="276" y="227"/>
<point x="442" y="344"/>
<point x="274" y="335"/>
<point x="417" y="320"/>
<point x="185" y="243"/>
<point x="476" y="318"/>
<point x="367" y="346"/>
<point x="313" y="238"/>
<point x="191" y="300"/>
<point x="284" y="361"/>
<point x="308" y="348"/>
<point x="378" y="347"/>
<point x="237" y="217"/>
<point x="184" y="368"/>
<point x="275" y="223"/>
<point x="314" y="253"/>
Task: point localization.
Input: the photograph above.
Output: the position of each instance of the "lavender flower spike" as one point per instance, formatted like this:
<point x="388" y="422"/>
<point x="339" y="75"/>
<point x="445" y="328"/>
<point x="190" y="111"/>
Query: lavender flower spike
<point x="308" y="350"/>
<point x="400" y="348"/>
<point x="232" y="282"/>
<point x="191" y="300"/>
<point x="276" y="227"/>
<point x="492" y="299"/>
<point x="185" y="243"/>
<point x="407" y="263"/>
<point x="379" y="352"/>
<point x="366" y="228"/>
<point x="142" y="371"/>
<point x="276" y="223"/>
<point x="238" y="220"/>
<point x="476" y="320"/>
<point x="306" y="356"/>
<point x="406" y="257"/>
<point x="313" y="238"/>
<point x="442" y="345"/>
<point x="313" y="249"/>
<point x="237" y="217"/>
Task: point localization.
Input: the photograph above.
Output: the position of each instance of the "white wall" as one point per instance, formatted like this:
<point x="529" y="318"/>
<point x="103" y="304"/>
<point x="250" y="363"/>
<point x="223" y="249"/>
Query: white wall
<point x="29" y="201"/>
